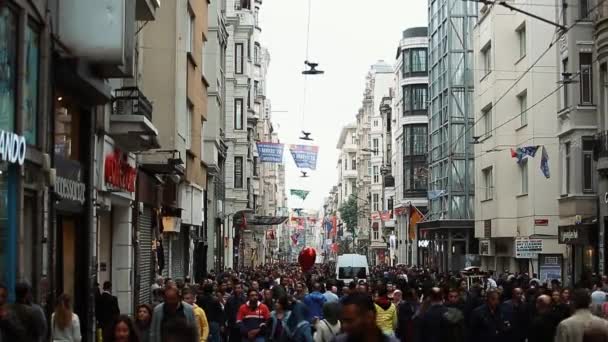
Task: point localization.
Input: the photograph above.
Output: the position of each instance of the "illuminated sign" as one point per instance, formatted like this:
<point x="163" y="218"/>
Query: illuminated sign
<point x="118" y="173"/>
<point x="12" y="147"/>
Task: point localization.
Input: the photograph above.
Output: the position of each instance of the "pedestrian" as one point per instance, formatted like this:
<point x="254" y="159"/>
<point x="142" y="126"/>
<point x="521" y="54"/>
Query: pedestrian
<point x="595" y="332"/>
<point x="431" y="326"/>
<point x="199" y="314"/>
<point x="572" y="329"/>
<point x="297" y="326"/>
<point x="487" y="323"/>
<point x="268" y="299"/>
<point x="405" y="315"/>
<point x="598" y="299"/>
<point x="329" y="295"/>
<point x="65" y="325"/>
<point x="11" y="328"/>
<point x="359" y="321"/>
<point x="386" y="312"/>
<point x="123" y="330"/>
<point x="277" y="320"/>
<point x="544" y="323"/>
<point x="252" y="317"/>
<point x="30" y="315"/>
<point x="397" y="298"/>
<point x="515" y="314"/>
<point x="233" y="304"/>
<point x="328" y="328"/>
<point x="314" y="301"/>
<point x="180" y="331"/>
<point x="213" y="311"/>
<point x="143" y="321"/>
<point x="158" y="285"/>
<point x="107" y="310"/>
<point x="172" y="309"/>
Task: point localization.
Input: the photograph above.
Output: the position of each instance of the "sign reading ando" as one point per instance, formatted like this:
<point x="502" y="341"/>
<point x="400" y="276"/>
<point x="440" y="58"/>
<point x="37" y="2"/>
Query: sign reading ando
<point x="12" y="147"/>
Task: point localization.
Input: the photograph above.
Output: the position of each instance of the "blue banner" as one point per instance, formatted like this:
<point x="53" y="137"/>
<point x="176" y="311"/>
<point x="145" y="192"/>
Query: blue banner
<point x="304" y="156"/>
<point x="270" y="152"/>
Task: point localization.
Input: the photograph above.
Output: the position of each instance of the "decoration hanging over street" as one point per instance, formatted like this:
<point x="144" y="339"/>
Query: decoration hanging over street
<point x="375" y="216"/>
<point x="522" y="153"/>
<point x="544" y="163"/>
<point x="299" y="193"/>
<point x="385" y="215"/>
<point x="307" y="258"/>
<point x="270" y="152"/>
<point x="304" y="156"/>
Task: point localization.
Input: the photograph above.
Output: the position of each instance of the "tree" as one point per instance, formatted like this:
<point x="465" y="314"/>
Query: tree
<point x="348" y="214"/>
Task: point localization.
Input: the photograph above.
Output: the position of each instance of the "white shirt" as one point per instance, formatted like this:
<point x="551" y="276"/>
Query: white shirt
<point x="70" y="334"/>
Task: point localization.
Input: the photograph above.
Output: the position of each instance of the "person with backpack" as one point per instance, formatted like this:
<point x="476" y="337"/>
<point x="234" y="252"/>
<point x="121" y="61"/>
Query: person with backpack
<point x="330" y="326"/>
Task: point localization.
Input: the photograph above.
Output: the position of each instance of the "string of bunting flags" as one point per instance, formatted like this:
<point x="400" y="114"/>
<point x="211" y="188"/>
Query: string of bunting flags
<point x="305" y="156"/>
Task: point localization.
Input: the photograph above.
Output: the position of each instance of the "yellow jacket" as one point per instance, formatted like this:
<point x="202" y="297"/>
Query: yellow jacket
<point x="386" y="319"/>
<point x="201" y="320"/>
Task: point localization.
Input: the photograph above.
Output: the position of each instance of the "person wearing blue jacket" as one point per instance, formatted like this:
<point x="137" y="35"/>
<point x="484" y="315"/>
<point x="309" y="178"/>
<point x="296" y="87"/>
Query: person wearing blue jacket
<point x="297" y="327"/>
<point x="314" y="301"/>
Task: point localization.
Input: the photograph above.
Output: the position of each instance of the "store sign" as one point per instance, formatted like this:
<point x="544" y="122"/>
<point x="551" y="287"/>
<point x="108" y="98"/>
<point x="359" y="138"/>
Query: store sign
<point x="68" y="184"/>
<point x="528" y="248"/>
<point x="118" y="173"/>
<point x="423" y="243"/>
<point x="484" y="247"/>
<point x="573" y="235"/>
<point x="12" y="147"/>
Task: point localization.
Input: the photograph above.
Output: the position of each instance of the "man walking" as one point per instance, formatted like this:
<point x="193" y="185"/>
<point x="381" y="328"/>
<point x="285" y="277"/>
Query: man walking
<point x="359" y="321"/>
<point x="170" y="313"/>
<point x="487" y="323"/>
<point x="213" y="311"/>
<point x="314" y="301"/>
<point x="231" y="309"/>
<point x="252" y="317"/>
<point x="107" y="310"/>
<point x="573" y="328"/>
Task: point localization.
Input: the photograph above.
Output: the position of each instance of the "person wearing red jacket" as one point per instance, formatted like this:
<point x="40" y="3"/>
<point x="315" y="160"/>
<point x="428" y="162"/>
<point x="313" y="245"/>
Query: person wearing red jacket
<point x="252" y="317"/>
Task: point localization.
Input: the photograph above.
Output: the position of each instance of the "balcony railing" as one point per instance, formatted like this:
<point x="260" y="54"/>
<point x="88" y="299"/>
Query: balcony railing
<point x="131" y="101"/>
<point x="601" y="145"/>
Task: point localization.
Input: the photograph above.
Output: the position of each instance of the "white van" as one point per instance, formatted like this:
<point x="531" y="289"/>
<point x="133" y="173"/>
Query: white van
<point x="351" y="266"/>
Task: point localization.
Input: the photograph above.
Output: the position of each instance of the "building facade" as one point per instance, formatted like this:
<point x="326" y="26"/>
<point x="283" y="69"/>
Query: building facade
<point x="449" y="222"/>
<point x="410" y="137"/>
<point x="515" y="201"/>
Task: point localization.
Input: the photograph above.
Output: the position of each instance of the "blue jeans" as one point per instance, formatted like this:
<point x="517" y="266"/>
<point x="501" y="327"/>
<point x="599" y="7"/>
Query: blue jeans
<point x="214" y="332"/>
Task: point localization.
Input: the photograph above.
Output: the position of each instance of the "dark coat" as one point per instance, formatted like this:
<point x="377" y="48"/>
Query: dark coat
<point x="517" y="317"/>
<point x="107" y="309"/>
<point x="431" y="325"/>
<point x="543" y="327"/>
<point x="213" y="309"/>
<point x="486" y="325"/>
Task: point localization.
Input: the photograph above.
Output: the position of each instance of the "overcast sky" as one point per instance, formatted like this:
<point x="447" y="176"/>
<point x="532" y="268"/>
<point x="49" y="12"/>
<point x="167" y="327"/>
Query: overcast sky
<point x="346" y="38"/>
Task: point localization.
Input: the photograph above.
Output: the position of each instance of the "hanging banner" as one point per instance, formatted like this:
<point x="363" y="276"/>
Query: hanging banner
<point x="550" y="267"/>
<point x="270" y="152"/>
<point x="385" y="215"/>
<point x="375" y="216"/>
<point x="299" y="193"/>
<point x="304" y="156"/>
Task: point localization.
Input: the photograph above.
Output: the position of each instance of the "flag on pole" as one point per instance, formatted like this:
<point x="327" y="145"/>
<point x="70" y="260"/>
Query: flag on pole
<point x="544" y="163"/>
<point x="415" y="217"/>
<point x="523" y="152"/>
<point x="299" y="193"/>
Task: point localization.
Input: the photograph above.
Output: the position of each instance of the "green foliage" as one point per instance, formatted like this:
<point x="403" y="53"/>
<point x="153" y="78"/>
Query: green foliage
<point x="348" y="213"/>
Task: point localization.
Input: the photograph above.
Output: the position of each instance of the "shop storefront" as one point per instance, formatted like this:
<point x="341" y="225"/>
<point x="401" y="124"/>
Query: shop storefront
<point x="582" y="250"/>
<point x="446" y="244"/>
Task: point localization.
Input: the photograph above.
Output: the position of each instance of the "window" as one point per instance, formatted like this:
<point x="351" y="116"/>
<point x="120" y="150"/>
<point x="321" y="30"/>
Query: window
<point x="488" y="183"/>
<point x="564" y="11"/>
<point x="415" y="140"/>
<point x="249" y="93"/>
<point x="565" y="77"/>
<point x="256" y="86"/>
<point x="405" y="66"/>
<point x="585" y="62"/>
<point x="376" y="202"/>
<point x="415" y="171"/>
<point x="255" y="166"/>
<point x="376" y="175"/>
<point x="523" y="169"/>
<point x="256" y="54"/>
<point x="238" y="172"/>
<point x="583" y="9"/>
<point x="419" y="60"/>
<point x="523" y="108"/>
<point x="238" y="58"/>
<point x="375" y="123"/>
<point x="189" y="127"/>
<point x="375" y="146"/>
<point x="567" y="167"/>
<point x="238" y="114"/>
<point x="419" y="97"/>
<point x="486" y="59"/>
<point x="376" y="234"/>
<point x="353" y="163"/>
<point x="190" y="32"/>
<point x="521" y="36"/>
<point x="8" y="68"/>
<point x="345" y="164"/>
<point x="588" y="167"/>
<point x="30" y="112"/>
<point x="369" y="168"/>
<point x="486" y="113"/>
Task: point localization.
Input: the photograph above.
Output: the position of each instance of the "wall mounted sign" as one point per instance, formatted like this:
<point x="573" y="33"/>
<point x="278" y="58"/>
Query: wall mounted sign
<point x="528" y="248"/>
<point x="12" y="147"/>
<point x="69" y="185"/>
<point x="484" y="247"/>
<point x="118" y="173"/>
<point x="541" y="222"/>
<point x="576" y="235"/>
<point x="550" y="267"/>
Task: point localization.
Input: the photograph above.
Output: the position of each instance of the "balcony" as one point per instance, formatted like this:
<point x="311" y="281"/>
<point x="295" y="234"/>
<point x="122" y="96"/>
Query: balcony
<point x="349" y="173"/>
<point x="600" y="152"/>
<point x="601" y="31"/>
<point x="145" y="10"/>
<point x="131" y="121"/>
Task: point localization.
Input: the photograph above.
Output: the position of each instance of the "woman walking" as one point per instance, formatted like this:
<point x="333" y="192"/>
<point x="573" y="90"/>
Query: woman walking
<point x="143" y="321"/>
<point x="65" y="325"/>
<point x="123" y="330"/>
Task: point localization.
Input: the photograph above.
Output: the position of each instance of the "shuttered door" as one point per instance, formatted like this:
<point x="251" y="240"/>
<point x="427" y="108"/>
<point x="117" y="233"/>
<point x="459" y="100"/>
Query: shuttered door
<point x="144" y="267"/>
<point x="177" y="255"/>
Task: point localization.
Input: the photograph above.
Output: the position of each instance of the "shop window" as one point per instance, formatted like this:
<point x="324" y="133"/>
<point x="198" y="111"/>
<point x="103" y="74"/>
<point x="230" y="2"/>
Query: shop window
<point x="32" y="70"/>
<point x="8" y="68"/>
<point x="67" y="123"/>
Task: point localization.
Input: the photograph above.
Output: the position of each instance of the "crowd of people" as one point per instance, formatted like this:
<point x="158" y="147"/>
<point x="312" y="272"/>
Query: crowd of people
<point x="280" y="302"/>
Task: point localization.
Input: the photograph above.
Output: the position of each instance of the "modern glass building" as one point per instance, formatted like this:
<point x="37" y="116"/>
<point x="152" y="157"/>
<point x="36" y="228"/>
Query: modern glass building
<point x="448" y="227"/>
